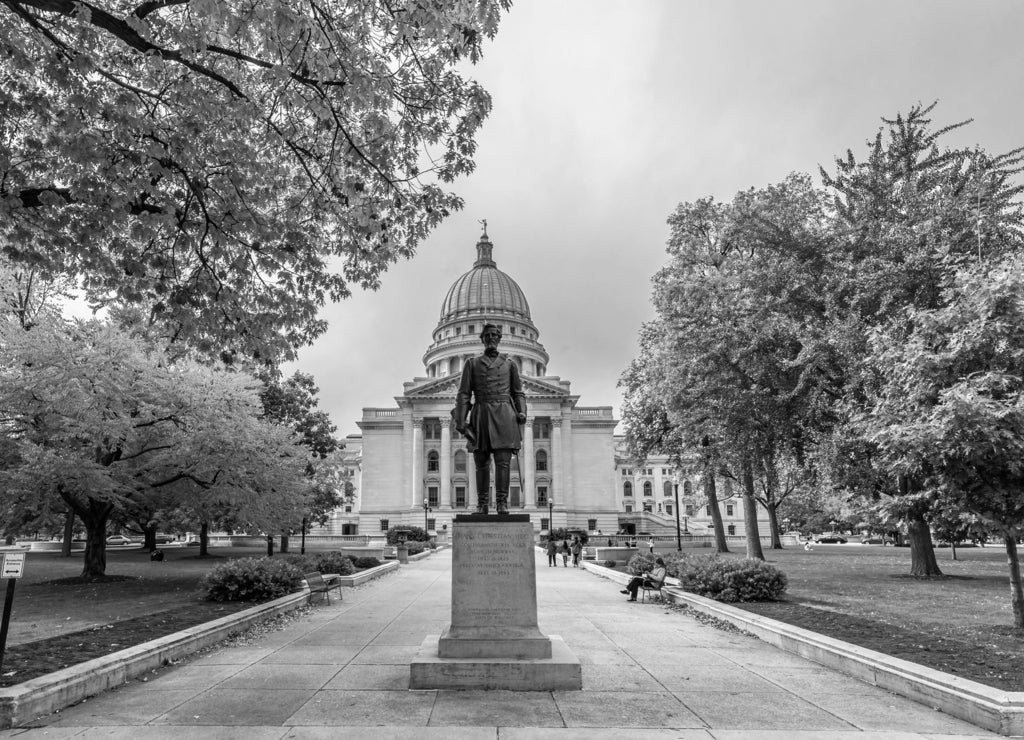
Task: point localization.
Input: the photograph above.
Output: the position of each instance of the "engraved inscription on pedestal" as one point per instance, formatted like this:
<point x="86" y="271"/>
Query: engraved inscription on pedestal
<point x="494" y="592"/>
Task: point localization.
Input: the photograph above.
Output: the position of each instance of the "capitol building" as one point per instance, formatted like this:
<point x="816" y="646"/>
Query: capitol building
<point x="410" y="467"/>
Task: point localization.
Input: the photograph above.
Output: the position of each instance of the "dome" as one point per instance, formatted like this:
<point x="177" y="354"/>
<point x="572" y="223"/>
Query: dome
<point x="484" y="295"/>
<point x="485" y="289"/>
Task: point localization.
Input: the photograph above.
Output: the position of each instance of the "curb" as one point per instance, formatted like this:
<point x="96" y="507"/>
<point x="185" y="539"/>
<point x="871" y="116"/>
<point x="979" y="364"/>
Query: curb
<point x="993" y="709"/>
<point x="47" y="694"/>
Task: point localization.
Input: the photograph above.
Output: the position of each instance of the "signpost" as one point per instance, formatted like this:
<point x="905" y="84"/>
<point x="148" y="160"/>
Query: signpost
<point x="12" y="568"/>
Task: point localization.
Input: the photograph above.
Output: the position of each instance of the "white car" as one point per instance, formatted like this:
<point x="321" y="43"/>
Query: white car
<point x="119" y="539"/>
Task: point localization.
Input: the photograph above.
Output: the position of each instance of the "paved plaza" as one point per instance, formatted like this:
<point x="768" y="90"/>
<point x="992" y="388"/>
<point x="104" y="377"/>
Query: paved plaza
<point x="648" y="672"/>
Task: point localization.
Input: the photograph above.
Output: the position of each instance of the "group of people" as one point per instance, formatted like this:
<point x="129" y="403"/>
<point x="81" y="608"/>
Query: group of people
<point x="566" y="549"/>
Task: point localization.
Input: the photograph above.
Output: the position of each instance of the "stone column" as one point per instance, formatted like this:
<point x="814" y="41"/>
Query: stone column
<point x="557" y="480"/>
<point x="446" y="464"/>
<point x="416" y="490"/>
<point x="568" y="483"/>
<point x="529" y="467"/>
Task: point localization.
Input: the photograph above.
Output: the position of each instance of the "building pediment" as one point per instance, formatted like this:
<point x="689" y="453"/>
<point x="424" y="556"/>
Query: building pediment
<point x="447" y="387"/>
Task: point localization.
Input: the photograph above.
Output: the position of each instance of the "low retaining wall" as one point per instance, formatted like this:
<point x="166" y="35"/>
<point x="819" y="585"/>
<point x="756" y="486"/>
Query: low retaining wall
<point x="994" y="709"/>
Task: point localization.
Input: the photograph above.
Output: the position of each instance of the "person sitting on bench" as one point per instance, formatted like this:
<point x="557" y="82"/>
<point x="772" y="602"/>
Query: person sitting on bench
<point x="654" y="579"/>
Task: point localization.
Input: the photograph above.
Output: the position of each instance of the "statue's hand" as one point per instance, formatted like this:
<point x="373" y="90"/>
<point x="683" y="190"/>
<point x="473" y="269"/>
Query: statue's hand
<point x="521" y="417"/>
<point x="461" y="429"/>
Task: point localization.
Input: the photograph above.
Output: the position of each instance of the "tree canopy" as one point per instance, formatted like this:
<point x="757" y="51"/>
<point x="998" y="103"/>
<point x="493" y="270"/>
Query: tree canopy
<point x="231" y="166"/>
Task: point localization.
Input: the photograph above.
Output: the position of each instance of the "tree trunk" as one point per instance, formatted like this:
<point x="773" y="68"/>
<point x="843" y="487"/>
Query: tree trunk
<point x="270" y="545"/>
<point x="922" y="554"/>
<point x="284" y="543"/>
<point x="750" y="512"/>
<point x="771" y="479"/>
<point x="94" y="516"/>
<point x="773" y="525"/>
<point x="1016" y="592"/>
<point x="711" y="490"/>
<point x="204" y="539"/>
<point x="69" y="533"/>
<point x="149" y="538"/>
<point x="952" y="546"/>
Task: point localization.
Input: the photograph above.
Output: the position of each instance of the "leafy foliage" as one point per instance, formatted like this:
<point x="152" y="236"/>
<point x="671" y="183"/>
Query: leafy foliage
<point x="251" y="579"/>
<point x="641" y="562"/>
<point x="417" y="534"/>
<point x="231" y="166"/>
<point x="365" y="562"/>
<point x="730" y="580"/>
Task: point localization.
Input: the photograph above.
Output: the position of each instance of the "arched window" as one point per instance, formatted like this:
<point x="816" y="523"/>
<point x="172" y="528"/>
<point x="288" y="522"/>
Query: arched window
<point x="542" y="460"/>
<point x="687" y="488"/>
<point x="667" y="487"/>
<point x="627" y="489"/>
<point x="460" y="461"/>
<point x="648" y="488"/>
<point x="433" y="461"/>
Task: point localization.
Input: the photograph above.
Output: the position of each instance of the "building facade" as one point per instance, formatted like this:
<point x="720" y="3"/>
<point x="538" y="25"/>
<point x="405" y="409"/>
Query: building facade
<point x="411" y="467"/>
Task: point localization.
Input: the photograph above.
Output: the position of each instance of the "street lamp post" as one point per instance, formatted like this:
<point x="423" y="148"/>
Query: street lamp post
<point x="426" y="510"/>
<point x="679" y="537"/>
<point x="551" y="516"/>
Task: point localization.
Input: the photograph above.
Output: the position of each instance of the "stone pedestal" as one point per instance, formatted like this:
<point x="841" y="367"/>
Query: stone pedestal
<point x="493" y="641"/>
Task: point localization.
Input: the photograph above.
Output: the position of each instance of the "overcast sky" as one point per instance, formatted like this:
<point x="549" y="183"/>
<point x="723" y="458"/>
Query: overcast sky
<point x="609" y="113"/>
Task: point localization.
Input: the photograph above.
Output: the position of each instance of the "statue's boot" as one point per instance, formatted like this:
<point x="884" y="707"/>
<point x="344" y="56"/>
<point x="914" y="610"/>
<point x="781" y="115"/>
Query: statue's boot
<point x="483" y="485"/>
<point x="502" y="473"/>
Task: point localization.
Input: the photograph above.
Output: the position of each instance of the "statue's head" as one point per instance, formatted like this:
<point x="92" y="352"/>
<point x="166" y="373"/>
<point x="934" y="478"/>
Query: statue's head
<point x="491" y="337"/>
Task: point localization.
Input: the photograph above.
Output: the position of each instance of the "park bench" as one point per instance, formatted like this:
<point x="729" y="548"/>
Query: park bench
<point x="322" y="583"/>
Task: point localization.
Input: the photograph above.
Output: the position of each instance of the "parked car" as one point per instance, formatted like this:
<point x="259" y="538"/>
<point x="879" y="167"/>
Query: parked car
<point x="830" y="538"/>
<point x="119" y="539"/>
<point x="163" y="539"/>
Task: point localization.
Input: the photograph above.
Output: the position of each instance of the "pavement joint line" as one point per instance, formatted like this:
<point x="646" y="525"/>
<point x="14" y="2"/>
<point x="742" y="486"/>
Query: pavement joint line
<point x="993" y="709"/>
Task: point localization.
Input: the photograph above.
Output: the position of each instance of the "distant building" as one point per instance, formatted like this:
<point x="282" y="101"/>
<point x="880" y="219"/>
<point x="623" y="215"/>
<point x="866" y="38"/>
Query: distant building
<point x="411" y="466"/>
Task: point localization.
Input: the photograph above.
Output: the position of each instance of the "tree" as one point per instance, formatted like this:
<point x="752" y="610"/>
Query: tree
<point x="99" y="419"/>
<point x="230" y="166"/>
<point x="906" y="219"/>
<point x="951" y="411"/>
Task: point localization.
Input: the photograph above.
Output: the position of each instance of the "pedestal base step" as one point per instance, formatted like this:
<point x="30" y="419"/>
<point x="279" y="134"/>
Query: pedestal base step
<point x="560" y="672"/>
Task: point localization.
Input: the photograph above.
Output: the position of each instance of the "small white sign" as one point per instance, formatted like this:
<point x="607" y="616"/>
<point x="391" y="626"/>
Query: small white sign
<point x="14" y="565"/>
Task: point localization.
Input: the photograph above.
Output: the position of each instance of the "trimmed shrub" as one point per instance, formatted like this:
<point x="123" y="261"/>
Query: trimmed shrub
<point x="366" y="562"/>
<point x="251" y="579"/>
<point x="729" y="579"/>
<point x="608" y="563"/>
<point x="642" y="562"/>
<point x="419" y="534"/>
<point x="676" y="563"/>
<point x="335" y="562"/>
<point x="305" y="563"/>
<point x="416" y="547"/>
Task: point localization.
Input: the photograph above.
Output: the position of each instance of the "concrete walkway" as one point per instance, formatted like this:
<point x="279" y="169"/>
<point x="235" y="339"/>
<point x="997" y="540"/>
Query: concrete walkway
<point x="647" y="673"/>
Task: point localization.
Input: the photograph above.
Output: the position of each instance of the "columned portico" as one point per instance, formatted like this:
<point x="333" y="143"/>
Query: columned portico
<point x="417" y="462"/>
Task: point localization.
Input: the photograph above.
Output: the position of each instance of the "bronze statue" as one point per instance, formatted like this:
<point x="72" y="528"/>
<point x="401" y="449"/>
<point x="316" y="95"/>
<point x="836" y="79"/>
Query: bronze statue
<point x="498" y="409"/>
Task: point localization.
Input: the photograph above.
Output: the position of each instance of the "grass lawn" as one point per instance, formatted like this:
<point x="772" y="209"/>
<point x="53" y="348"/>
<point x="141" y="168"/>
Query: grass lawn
<point x="56" y="624"/>
<point x="961" y="623"/>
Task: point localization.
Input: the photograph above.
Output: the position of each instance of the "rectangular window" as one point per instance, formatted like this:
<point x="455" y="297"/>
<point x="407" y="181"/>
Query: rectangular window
<point x="728" y="509"/>
<point x="512" y="330"/>
<point x="591" y="524"/>
<point x="668" y="509"/>
<point x="432" y="496"/>
<point x="471" y="328"/>
<point x="431" y="429"/>
<point x="460" y="497"/>
<point x="545" y="523"/>
<point x="348" y="509"/>
<point x="542" y="495"/>
<point x="707" y="510"/>
<point x="647" y="507"/>
<point x="432" y="524"/>
<point x="629" y="508"/>
<point x="689" y="510"/>
<point x="384" y="525"/>
<point x="458" y="330"/>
